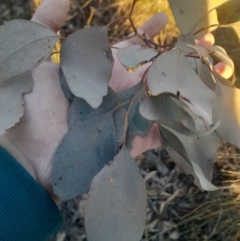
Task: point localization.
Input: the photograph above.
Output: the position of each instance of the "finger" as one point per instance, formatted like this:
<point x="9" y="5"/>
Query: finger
<point x="124" y="79"/>
<point x="206" y="41"/>
<point x="224" y="70"/>
<point x="52" y="13"/>
<point x="120" y="79"/>
<point x="150" y="141"/>
<point x="151" y="28"/>
<point x="221" y="68"/>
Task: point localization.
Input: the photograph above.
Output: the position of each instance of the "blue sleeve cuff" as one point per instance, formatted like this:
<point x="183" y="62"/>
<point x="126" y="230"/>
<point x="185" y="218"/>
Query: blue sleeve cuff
<point x="27" y="212"/>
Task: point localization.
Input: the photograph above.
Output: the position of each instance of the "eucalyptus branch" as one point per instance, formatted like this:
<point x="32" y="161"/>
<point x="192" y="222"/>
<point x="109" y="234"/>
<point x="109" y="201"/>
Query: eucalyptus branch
<point x="148" y="42"/>
<point x="62" y="38"/>
<point x="131" y="104"/>
<point x="133" y="27"/>
<point x="144" y="38"/>
<point x="205" y="28"/>
<point x="56" y="52"/>
<point x="133" y="6"/>
<point x="127" y="113"/>
<point x="192" y="56"/>
<point x="99" y="119"/>
<point x="122" y="40"/>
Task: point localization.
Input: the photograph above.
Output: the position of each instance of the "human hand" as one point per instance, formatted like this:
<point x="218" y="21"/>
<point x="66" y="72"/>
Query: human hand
<point x="34" y="140"/>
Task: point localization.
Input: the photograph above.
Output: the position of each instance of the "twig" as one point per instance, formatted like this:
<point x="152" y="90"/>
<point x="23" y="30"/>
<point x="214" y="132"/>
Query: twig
<point x="215" y="227"/>
<point x="133" y="6"/>
<point x="57" y="52"/>
<point x="131" y="104"/>
<point x="205" y="28"/>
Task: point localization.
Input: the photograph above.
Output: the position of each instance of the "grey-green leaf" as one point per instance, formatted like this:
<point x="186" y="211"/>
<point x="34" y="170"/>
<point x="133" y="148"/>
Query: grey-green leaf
<point x="116" y="206"/>
<point x="172" y="112"/>
<point x="80" y="110"/>
<point x="183" y="40"/>
<point x="171" y="140"/>
<point x="11" y="99"/>
<point x="201" y="152"/>
<point x="24" y="45"/>
<point x="131" y="92"/>
<point x="226" y="109"/>
<point x="200" y="179"/>
<point x="192" y="15"/>
<point x="222" y="55"/>
<point x="135" y="54"/>
<point x="137" y="124"/>
<point x="235" y="27"/>
<point x="84" y="151"/>
<point x="205" y="74"/>
<point x="229" y="12"/>
<point x="172" y="73"/>
<point x="87" y="62"/>
<point x="68" y="93"/>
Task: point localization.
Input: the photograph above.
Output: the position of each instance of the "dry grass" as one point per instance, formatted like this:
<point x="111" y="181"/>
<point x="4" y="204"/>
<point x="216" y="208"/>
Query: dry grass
<point x="34" y="5"/>
<point x="92" y="10"/>
<point x="144" y="10"/>
<point x="177" y="209"/>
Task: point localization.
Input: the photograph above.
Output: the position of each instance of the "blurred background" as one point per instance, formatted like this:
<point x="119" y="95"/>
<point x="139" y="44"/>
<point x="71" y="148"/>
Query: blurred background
<point x="177" y="209"/>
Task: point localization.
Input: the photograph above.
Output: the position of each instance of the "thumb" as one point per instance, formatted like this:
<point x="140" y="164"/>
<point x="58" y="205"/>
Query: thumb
<point x="52" y="13"/>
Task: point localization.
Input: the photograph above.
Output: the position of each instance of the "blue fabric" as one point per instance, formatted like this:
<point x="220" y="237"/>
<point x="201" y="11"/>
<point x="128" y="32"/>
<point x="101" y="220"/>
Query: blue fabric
<point x="27" y="212"/>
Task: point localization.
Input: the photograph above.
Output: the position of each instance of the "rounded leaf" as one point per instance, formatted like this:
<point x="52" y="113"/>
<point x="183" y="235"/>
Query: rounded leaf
<point x="194" y="156"/>
<point x="84" y="151"/>
<point x="134" y="55"/>
<point x="116" y="206"/>
<point x="226" y="109"/>
<point x="137" y="124"/>
<point x="68" y="93"/>
<point x="87" y="62"/>
<point x="12" y="101"/>
<point x="172" y="73"/>
<point x="24" y="45"/>
<point x="193" y="15"/>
